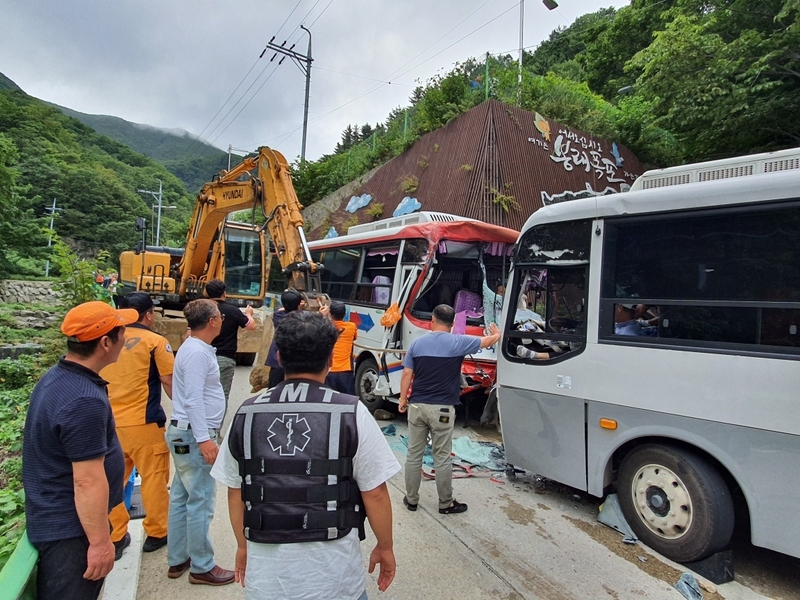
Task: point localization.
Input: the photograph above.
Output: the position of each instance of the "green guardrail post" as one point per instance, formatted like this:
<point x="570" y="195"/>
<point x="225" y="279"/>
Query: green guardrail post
<point x="18" y="577"/>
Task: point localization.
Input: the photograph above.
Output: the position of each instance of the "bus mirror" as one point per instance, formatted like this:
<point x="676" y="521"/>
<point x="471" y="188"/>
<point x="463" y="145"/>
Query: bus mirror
<point x="141" y="224"/>
<point x="139" y="247"/>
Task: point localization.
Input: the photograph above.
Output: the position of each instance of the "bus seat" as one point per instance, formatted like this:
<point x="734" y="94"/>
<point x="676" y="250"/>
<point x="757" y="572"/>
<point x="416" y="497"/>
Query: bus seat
<point x="466" y="300"/>
<point x="382" y="295"/>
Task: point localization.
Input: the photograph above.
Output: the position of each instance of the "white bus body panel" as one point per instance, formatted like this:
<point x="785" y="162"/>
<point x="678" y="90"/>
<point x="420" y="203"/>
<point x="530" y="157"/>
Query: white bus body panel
<point x="742" y="410"/>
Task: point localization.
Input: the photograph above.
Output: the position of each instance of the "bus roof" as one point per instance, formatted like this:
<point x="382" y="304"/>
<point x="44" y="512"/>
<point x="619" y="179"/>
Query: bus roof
<point x="746" y="190"/>
<point x="454" y="228"/>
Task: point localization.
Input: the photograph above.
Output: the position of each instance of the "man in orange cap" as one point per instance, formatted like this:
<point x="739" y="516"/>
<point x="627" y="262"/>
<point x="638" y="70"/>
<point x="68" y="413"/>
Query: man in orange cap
<point x="134" y="388"/>
<point x="72" y="464"/>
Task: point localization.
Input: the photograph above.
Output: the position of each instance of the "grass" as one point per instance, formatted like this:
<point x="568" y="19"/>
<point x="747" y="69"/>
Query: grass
<point x="17" y="379"/>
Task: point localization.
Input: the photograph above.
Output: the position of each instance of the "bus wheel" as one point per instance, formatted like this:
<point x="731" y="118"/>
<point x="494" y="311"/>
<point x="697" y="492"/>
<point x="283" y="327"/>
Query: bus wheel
<point x="366" y="381"/>
<point x="676" y="502"/>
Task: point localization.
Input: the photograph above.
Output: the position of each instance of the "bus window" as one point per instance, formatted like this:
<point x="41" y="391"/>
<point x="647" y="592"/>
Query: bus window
<point x="547" y="318"/>
<point x="341" y="269"/>
<point x="726" y="280"/>
<point x="377" y="275"/>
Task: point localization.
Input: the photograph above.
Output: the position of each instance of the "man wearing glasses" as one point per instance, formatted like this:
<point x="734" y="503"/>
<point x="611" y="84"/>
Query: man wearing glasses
<point x="198" y="406"/>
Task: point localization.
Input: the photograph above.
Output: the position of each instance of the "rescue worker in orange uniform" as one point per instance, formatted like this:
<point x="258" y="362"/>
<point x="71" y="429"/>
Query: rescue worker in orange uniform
<point x="340" y="377"/>
<point x="134" y="390"/>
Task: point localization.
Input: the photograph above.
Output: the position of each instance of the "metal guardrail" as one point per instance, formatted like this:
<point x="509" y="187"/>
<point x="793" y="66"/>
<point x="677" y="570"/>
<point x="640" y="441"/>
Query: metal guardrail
<point x="18" y="577"/>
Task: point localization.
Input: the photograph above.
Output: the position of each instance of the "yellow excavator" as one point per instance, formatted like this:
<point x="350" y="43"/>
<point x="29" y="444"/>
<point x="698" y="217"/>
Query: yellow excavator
<point x="234" y="252"/>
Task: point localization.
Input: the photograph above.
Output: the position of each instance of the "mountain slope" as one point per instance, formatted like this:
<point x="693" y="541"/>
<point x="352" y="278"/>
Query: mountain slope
<point x="193" y="162"/>
<point x="93" y="178"/>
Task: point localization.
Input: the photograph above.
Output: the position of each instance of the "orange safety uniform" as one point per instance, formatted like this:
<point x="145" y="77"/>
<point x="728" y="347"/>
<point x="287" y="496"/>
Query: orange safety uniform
<point x="343" y="350"/>
<point x="134" y="390"/>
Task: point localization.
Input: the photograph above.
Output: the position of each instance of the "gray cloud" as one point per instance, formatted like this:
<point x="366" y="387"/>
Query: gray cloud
<point x="173" y="63"/>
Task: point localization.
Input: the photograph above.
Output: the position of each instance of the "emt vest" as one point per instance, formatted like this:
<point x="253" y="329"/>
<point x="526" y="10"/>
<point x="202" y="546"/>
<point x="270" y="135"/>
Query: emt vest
<point x="295" y="445"/>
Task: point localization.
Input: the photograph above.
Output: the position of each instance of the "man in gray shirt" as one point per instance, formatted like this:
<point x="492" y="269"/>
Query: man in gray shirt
<point x="198" y="406"/>
<point x="433" y="363"/>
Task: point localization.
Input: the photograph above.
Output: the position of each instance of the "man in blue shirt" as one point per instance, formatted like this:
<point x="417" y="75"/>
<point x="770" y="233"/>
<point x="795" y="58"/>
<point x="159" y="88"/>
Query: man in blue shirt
<point x="433" y="363"/>
<point x="72" y="463"/>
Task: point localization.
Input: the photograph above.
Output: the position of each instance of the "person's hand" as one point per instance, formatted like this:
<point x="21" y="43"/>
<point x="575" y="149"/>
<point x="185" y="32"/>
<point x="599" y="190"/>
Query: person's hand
<point x="388" y="566"/>
<point x="494" y="329"/>
<point x="240" y="565"/>
<point x="209" y="449"/>
<point x="99" y="560"/>
<point x="325" y="310"/>
<point x="248" y="311"/>
<point x="402" y="405"/>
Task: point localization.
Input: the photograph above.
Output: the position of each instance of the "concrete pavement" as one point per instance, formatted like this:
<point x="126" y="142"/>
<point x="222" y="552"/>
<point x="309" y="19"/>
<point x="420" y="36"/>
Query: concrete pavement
<point x="518" y="540"/>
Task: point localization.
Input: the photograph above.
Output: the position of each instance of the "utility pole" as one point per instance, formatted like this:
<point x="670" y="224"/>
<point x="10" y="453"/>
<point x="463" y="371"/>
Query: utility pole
<point x="304" y="62"/>
<point x="159" y="206"/>
<point x="52" y="210"/>
<point x="521" y="46"/>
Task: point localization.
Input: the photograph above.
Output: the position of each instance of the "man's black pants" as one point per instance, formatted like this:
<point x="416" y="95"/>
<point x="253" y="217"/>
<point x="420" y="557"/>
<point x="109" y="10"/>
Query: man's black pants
<point x="60" y="571"/>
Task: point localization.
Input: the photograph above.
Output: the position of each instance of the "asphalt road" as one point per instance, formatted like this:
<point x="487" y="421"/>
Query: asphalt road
<point x="520" y="539"/>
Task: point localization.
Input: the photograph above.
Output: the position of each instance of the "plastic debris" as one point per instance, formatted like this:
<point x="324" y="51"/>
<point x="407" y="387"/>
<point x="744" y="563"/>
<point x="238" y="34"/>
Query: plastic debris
<point x="389" y="429"/>
<point x="642" y="558"/>
<point x="611" y="515"/>
<point x="687" y="585"/>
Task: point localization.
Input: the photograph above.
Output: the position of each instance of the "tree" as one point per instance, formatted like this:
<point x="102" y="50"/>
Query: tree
<point x="725" y="85"/>
<point x="20" y="234"/>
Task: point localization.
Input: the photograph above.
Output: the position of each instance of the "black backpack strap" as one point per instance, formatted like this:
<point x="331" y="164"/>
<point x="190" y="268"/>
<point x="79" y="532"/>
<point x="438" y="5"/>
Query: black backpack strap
<point x="341" y="492"/>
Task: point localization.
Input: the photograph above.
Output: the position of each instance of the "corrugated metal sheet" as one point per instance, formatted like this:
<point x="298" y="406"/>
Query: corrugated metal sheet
<point x="496" y="150"/>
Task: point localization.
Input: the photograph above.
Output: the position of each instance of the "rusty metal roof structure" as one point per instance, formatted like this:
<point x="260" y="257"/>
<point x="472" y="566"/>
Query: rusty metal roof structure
<point x="496" y="163"/>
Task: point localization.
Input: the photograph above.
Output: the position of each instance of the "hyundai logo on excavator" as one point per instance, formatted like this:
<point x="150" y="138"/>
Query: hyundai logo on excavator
<point x="232" y="194"/>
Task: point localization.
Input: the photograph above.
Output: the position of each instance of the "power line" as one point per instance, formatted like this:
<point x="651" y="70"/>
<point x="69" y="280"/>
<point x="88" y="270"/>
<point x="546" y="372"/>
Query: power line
<point x="375" y="88"/>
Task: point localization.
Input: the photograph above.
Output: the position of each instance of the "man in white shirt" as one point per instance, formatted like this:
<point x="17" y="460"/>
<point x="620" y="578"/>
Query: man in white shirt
<point x="198" y="406"/>
<point x="298" y="535"/>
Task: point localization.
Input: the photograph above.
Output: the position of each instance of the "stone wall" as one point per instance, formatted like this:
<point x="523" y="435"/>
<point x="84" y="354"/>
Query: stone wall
<point x="28" y="292"/>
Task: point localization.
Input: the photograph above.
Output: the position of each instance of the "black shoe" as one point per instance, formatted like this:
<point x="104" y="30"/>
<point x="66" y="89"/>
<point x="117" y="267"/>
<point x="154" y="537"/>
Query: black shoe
<point x="120" y="546"/>
<point x="151" y="544"/>
<point x="454" y="508"/>
<point x="409" y="506"/>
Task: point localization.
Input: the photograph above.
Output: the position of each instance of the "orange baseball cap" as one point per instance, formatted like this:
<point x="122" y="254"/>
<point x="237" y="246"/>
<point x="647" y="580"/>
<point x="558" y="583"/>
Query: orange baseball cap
<point x="91" y="320"/>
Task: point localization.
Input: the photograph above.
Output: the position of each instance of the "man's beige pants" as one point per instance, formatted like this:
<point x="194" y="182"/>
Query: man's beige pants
<point x="438" y="420"/>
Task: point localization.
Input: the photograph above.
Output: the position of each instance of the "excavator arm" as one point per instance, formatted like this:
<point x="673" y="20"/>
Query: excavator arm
<point x="285" y="221"/>
<point x="270" y="189"/>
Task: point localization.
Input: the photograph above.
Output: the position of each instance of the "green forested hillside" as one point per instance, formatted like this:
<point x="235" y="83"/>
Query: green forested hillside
<point x="674" y="80"/>
<point x="191" y="161"/>
<point x="45" y="155"/>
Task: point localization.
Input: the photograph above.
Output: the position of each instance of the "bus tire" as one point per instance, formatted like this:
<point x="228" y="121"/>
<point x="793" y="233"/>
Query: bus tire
<point x="245" y="359"/>
<point x="366" y="379"/>
<point x="676" y="502"/>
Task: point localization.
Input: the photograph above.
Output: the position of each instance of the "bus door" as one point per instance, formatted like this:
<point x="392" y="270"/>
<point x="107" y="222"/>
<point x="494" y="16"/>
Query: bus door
<point x="393" y="335"/>
<point x="542" y="389"/>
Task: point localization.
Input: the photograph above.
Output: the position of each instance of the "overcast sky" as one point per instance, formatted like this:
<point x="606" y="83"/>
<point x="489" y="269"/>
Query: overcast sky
<point x="176" y="63"/>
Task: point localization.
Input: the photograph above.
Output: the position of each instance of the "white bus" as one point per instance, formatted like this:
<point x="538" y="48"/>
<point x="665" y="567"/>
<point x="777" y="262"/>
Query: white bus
<point x="416" y="261"/>
<point x="661" y="351"/>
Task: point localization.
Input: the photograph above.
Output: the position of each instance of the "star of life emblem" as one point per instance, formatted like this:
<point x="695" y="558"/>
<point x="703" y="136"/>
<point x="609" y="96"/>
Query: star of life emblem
<point x="289" y="434"/>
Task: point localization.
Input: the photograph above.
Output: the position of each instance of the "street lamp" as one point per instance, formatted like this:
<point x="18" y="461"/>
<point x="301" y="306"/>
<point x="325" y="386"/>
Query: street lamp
<point x="550" y="4"/>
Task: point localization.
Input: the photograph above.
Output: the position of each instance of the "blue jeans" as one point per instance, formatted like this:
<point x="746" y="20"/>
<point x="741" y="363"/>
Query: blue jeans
<point x="191" y="503"/>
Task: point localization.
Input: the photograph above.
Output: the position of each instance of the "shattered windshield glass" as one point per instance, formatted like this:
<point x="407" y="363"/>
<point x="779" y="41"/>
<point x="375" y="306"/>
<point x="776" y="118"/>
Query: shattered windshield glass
<point x="556" y="243"/>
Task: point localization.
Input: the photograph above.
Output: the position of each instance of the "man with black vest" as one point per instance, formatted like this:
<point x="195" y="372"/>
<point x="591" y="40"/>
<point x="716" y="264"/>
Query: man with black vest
<point x="305" y="465"/>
